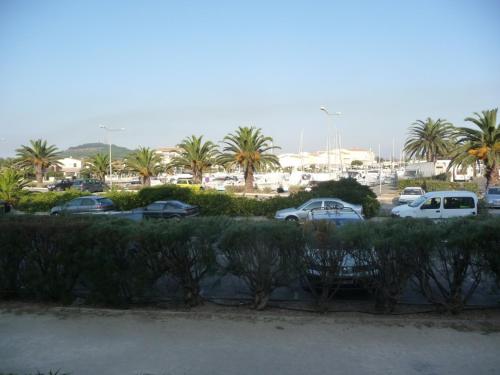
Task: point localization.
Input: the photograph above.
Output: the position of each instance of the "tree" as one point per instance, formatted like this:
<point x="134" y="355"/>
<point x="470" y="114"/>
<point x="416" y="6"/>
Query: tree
<point x="145" y="162"/>
<point x="248" y="148"/>
<point x="480" y="145"/>
<point x="11" y="185"/>
<point x="98" y="166"/>
<point x="356" y="163"/>
<point x="39" y="156"/>
<point x="196" y="156"/>
<point x="429" y="139"/>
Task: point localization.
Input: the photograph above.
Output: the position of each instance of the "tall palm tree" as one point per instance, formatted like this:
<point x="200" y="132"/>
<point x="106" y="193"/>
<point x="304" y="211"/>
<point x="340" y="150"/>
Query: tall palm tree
<point x="480" y="145"/>
<point x="248" y="148"/>
<point x="145" y="162"/>
<point x="39" y="156"/>
<point x="429" y="139"/>
<point x="196" y="156"/>
<point x="99" y="166"/>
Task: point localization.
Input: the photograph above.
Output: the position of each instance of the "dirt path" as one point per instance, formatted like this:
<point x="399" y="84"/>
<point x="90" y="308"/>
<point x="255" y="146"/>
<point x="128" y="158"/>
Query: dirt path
<point x="90" y="341"/>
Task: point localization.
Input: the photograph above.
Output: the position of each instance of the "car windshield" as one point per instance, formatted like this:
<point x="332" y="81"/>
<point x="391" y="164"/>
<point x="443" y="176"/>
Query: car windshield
<point x="412" y="192"/>
<point x="417" y="202"/>
<point x="494" y="191"/>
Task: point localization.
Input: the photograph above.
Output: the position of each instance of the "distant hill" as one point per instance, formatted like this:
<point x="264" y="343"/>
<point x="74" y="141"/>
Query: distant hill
<point x="90" y="149"/>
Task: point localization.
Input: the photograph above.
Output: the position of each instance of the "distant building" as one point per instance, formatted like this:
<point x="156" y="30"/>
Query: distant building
<point x="69" y="166"/>
<point x="319" y="159"/>
<point x="167" y="153"/>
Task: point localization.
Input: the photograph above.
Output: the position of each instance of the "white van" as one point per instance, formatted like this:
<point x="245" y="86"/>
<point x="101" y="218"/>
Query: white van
<point x="439" y="205"/>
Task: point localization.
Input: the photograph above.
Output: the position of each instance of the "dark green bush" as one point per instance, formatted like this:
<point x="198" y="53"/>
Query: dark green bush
<point x="449" y="272"/>
<point x="124" y="200"/>
<point x="113" y="274"/>
<point x="55" y="254"/>
<point x="490" y="244"/>
<point x="13" y="249"/>
<point x="431" y="184"/>
<point x="323" y="258"/>
<point x="266" y="255"/>
<point x="183" y="250"/>
<point x="385" y="253"/>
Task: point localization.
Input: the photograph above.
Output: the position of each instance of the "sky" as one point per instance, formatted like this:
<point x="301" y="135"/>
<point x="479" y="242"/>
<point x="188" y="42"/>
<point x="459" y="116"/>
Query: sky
<point x="165" y="70"/>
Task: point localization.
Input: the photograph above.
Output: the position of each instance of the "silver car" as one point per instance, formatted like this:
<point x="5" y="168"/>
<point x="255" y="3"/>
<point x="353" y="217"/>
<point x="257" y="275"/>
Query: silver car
<point x="301" y="213"/>
<point x="492" y="197"/>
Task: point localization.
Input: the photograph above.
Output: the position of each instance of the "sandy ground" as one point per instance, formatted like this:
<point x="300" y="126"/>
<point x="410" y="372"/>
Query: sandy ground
<point x="214" y="341"/>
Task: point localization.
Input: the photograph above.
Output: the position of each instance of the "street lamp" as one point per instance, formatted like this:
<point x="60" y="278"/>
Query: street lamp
<point x="336" y="137"/>
<point x="108" y="130"/>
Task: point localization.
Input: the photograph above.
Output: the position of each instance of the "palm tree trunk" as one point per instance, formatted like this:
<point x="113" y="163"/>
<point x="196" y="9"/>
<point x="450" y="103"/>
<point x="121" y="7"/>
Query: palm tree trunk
<point x="39" y="175"/>
<point x="249" y="179"/>
<point x="146" y="180"/>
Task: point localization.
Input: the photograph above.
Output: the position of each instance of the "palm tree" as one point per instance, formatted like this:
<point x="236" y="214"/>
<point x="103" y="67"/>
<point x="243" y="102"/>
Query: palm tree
<point x="145" y="162"/>
<point x="195" y="156"/>
<point x="480" y="145"/>
<point x="11" y="185"/>
<point x="248" y="148"/>
<point x="99" y="166"/>
<point x="38" y="155"/>
<point x="429" y="139"/>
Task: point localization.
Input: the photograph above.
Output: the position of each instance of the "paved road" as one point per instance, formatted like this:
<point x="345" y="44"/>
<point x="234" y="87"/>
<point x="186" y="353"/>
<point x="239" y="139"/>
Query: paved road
<point x="162" y="343"/>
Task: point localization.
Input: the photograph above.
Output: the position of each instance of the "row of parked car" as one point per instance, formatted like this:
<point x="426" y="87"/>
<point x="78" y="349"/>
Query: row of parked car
<point x="90" y="185"/>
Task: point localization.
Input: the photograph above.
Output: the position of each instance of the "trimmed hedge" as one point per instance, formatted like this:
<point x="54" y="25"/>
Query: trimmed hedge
<point x="40" y="202"/>
<point x="116" y="262"/>
<point x="429" y="184"/>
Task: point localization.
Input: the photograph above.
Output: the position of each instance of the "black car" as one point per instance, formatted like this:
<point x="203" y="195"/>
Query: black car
<point x="89" y="204"/>
<point x="169" y="209"/>
<point x="60" y="185"/>
<point x="92" y="186"/>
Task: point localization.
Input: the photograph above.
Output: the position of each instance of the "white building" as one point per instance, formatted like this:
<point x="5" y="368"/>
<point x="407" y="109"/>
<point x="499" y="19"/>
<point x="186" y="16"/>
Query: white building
<point x="319" y="159"/>
<point x="69" y="166"/>
<point x="167" y="153"/>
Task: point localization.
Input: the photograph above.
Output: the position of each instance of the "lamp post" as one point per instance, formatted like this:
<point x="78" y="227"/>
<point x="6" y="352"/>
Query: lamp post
<point x="336" y="137"/>
<point x="108" y="130"/>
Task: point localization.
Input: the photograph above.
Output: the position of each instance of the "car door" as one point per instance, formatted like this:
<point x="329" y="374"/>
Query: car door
<point x="458" y="206"/>
<point x="73" y="206"/>
<point x="431" y="208"/>
<point x="154" y="211"/>
<point x="87" y="205"/>
<point x="172" y="210"/>
<point x="302" y="214"/>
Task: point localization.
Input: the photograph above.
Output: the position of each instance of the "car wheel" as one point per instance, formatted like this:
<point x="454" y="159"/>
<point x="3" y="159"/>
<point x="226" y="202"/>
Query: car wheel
<point x="54" y="214"/>
<point x="292" y="218"/>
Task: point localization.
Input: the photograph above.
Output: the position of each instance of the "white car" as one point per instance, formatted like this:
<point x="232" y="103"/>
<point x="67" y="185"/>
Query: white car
<point x="439" y="205"/>
<point x="410" y="194"/>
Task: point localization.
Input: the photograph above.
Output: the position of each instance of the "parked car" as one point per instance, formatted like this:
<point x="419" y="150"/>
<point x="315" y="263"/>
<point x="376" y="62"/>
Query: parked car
<point x="439" y="205"/>
<point x="492" y="197"/>
<point x="187" y="182"/>
<point x="168" y="209"/>
<point x="88" y="204"/>
<point x="339" y="216"/>
<point x="92" y="186"/>
<point x="351" y="275"/>
<point x="300" y="213"/>
<point x="60" y="185"/>
<point x="410" y="194"/>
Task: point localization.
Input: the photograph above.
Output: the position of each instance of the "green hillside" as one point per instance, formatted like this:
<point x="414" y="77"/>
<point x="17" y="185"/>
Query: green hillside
<point x="90" y="149"/>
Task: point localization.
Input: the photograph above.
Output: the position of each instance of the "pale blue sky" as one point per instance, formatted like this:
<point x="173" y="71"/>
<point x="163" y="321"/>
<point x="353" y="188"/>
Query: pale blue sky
<point x="165" y="70"/>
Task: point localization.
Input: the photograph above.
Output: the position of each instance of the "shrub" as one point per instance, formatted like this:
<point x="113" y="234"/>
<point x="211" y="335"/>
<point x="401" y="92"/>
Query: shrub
<point x="182" y="250"/>
<point x="39" y="202"/>
<point x="124" y="200"/>
<point x="323" y="258"/>
<point x="55" y="254"/>
<point x="113" y="275"/>
<point x="385" y="252"/>
<point x="265" y="255"/>
<point x="13" y="249"/>
<point x="449" y="272"/>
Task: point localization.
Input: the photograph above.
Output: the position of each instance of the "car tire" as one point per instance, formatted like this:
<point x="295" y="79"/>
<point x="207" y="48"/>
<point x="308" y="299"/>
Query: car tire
<point x="292" y="219"/>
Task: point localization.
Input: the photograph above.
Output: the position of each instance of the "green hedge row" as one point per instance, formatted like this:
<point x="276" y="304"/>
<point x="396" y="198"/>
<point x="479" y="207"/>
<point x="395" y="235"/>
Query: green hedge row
<point x="118" y="261"/>
<point x="429" y="184"/>
<point x="213" y="203"/>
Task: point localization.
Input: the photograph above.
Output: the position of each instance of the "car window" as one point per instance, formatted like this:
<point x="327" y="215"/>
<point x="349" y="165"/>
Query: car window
<point x="173" y="206"/>
<point x="418" y="201"/>
<point x="74" y="202"/>
<point x="412" y="192"/>
<point x="332" y="205"/>
<point x="457" y="203"/>
<point x="87" y="202"/>
<point x="105" y="201"/>
<point x="494" y="191"/>
<point x="313" y="205"/>
<point x="155" y="206"/>
<point x="431" y="203"/>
